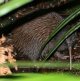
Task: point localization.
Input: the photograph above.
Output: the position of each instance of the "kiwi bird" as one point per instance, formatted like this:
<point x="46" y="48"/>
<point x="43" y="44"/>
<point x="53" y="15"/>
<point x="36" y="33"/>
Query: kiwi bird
<point x="30" y="36"/>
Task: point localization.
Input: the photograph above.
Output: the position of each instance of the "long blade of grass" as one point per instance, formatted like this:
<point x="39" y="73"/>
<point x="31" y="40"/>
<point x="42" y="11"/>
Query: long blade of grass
<point x="56" y="64"/>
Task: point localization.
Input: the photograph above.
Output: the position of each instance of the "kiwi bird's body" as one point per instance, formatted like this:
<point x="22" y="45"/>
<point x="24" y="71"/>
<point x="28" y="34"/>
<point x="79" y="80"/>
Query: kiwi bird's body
<point x="29" y="37"/>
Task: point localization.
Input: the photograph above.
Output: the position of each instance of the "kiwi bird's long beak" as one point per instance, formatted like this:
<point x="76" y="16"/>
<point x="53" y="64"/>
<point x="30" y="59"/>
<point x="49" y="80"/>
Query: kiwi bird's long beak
<point x="70" y="56"/>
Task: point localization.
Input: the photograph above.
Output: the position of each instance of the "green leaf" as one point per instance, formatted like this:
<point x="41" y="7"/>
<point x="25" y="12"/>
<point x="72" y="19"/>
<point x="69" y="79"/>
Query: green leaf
<point x="12" y="5"/>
